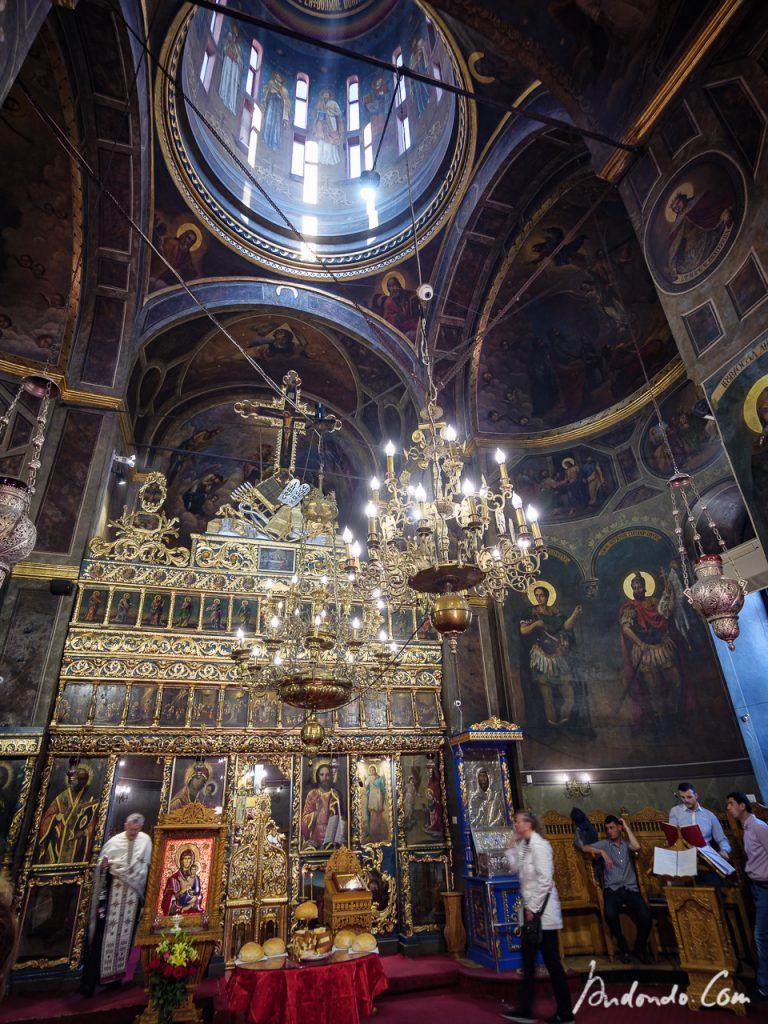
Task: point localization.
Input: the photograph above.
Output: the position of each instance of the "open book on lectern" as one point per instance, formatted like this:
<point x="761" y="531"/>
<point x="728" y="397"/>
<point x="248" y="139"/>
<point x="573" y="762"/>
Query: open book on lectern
<point x="675" y="863"/>
<point x="692" y="835"/>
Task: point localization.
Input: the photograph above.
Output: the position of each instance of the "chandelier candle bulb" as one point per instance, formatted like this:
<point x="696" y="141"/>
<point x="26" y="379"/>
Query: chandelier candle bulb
<point x="501" y="458"/>
<point x="390" y="453"/>
<point x="468" y="490"/>
<point x="533" y="517"/>
<point x="450" y="433"/>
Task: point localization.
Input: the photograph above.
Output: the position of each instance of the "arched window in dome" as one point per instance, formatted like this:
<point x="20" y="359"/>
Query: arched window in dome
<point x="353" y="104"/>
<point x="437" y="74"/>
<point x="253" y="135"/>
<point x="254" y="71"/>
<point x="206" y="67"/>
<point x="368" y="146"/>
<point x="403" y="131"/>
<point x="397" y="60"/>
<point x="297" y="155"/>
<point x="216" y="21"/>
<point x="302" y="101"/>
<point x="354" y="154"/>
<point x="311" y="161"/>
<point x="251" y="94"/>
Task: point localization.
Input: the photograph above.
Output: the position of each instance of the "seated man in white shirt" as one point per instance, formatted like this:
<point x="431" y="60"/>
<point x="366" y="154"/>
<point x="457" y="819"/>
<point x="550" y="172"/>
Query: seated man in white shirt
<point x="692" y="813"/>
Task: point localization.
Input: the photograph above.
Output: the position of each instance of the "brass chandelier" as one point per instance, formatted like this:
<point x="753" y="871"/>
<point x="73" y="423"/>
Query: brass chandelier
<point x="324" y="636"/>
<point x="436" y="536"/>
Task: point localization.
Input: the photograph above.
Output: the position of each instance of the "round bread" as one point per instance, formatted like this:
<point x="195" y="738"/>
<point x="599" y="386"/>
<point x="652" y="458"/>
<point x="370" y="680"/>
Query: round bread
<point x="251" y="952"/>
<point x="306" y="911"/>
<point x="364" y="943"/>
<point x="274" y="947"/>
<point x="344" y="938"/>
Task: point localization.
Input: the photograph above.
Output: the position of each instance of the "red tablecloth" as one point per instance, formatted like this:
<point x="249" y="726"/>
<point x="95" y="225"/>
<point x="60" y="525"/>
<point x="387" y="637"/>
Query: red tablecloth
<point x="336" y="993"/>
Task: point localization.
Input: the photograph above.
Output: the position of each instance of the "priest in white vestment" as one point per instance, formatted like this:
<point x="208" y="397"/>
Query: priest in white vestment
<point x="118" y="896"/>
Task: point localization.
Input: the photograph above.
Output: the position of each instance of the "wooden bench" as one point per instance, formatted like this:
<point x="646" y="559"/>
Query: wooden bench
<point x="581" y="900"/>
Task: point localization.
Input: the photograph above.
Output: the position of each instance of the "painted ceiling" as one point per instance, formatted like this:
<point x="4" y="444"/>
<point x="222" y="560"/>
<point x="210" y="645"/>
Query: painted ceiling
<point x="267" y="135"/>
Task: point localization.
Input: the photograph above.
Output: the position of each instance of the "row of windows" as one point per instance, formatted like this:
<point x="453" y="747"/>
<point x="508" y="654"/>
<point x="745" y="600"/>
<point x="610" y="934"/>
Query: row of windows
<point x="304" y="153"/>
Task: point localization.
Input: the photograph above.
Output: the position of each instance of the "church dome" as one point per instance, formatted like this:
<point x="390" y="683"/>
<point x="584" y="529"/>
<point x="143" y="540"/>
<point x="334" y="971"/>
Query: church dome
<point x="267" y="134"/>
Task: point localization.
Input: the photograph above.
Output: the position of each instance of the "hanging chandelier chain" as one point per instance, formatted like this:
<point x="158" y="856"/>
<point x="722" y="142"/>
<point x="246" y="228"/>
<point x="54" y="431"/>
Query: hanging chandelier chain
<point x="38" y="437"/>
<point x="5" y="419"/>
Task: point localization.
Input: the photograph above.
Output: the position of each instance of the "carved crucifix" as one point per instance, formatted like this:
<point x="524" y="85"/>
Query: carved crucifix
<point x="287" y="415"/>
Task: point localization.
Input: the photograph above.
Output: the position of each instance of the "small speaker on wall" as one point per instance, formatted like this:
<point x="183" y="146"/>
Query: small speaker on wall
<point x="62" y="588"/>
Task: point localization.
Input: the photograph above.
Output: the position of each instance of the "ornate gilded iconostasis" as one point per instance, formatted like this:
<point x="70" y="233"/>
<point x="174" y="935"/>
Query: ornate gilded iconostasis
<point x="565" y="291"/>
<point x="152" y="715"/>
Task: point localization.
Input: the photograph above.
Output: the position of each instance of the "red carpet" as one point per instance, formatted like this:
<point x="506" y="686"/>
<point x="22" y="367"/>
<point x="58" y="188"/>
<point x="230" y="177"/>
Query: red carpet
<point x="423" y="990"/>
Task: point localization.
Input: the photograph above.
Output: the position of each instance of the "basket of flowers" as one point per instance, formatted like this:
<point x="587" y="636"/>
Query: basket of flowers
<point x="175" y="961"/>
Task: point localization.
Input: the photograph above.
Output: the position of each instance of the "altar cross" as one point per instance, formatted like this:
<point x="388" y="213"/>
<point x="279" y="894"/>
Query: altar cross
<point x="287" y="415"/>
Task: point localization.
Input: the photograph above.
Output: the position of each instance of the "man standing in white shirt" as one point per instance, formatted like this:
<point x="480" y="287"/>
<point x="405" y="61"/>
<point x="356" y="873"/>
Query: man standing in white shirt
<point x="692" y="813"/>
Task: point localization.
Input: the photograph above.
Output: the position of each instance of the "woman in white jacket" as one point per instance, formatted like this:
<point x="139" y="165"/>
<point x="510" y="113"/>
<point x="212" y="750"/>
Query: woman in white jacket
<point x="531" y="859"/>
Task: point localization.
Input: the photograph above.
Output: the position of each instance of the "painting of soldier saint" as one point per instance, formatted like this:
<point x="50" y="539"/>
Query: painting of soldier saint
<point x="348" y="715"/>
<point x="486" y="799"/>
<point x="402" y="708"/>
<point x="694" y="223"/>
<point x="68" y="825"/>
<point x="324" y="818"/>
<point x="197" y="782"/>
<point x="375" y="705"/>
<point x="185" y="877"/>
<point x="548" y="633"/>
<point x="649" y="651"/>
<point x="375" y="801"/>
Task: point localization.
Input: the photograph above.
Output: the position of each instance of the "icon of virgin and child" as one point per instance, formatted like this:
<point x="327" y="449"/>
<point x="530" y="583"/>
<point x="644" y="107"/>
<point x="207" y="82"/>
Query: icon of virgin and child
<point x="183" y="891"/>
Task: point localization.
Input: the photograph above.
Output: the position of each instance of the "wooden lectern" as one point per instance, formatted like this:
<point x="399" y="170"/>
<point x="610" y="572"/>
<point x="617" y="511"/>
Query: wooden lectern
<point x="348" y="902"/>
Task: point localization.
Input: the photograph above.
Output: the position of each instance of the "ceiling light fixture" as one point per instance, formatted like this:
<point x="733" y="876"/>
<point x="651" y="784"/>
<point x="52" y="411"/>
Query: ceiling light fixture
<point x="17" y="531"/>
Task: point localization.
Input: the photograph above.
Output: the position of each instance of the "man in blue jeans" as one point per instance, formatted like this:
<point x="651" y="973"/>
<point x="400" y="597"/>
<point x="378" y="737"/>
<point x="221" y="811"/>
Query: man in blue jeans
<point x="756" y="852"/>
<point x="620" y="886"/>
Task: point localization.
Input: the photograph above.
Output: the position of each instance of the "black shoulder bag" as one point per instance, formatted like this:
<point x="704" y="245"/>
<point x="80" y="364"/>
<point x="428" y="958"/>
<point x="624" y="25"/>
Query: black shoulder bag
<point x="531" y="931"/>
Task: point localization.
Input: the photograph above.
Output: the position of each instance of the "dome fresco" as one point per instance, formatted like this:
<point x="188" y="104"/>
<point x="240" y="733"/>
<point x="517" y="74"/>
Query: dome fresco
<point x="303" y="122"/>
<point x="568" y="352"/>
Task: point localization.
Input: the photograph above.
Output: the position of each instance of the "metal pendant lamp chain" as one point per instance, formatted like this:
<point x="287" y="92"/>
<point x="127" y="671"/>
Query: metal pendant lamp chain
<point x="718" y="598"/>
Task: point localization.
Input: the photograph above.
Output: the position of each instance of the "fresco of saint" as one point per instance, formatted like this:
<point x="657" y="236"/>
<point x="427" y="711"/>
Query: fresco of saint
<point x="68" y="825"/>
